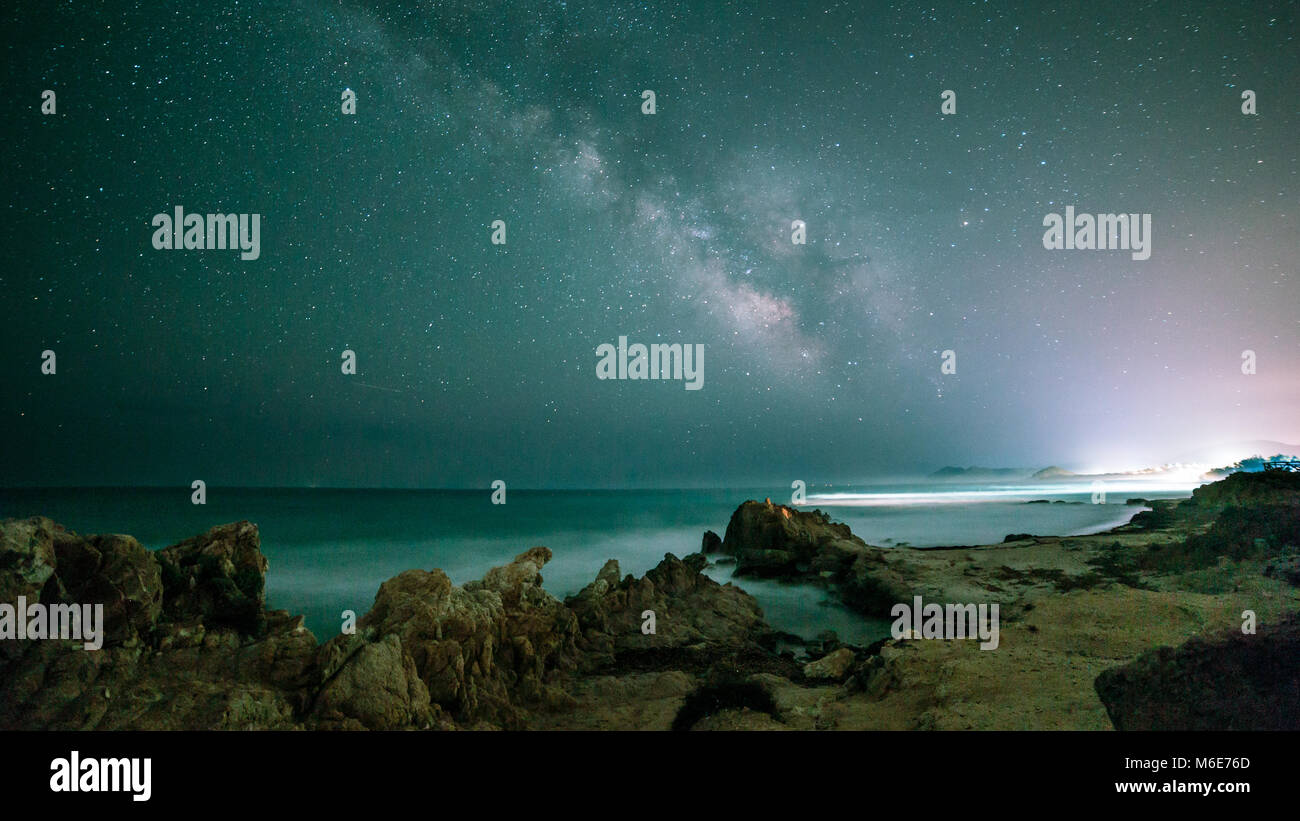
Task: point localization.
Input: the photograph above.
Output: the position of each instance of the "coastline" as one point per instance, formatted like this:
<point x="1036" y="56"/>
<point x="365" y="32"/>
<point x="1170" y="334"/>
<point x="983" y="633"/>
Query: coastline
<point x="190" y="644"/>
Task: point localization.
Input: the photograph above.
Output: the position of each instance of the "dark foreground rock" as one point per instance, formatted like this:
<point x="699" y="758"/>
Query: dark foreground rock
<point x="181" y="645"/>
<point x="187" y="641"/>
<point x="1236" y="682"/>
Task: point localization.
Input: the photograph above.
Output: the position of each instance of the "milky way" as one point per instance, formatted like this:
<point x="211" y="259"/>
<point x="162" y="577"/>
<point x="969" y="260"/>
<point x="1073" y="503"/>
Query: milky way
<point x="477" y="361"/>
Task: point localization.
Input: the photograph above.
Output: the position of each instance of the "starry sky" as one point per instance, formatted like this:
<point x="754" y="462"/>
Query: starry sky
<point x="477" y="361"/>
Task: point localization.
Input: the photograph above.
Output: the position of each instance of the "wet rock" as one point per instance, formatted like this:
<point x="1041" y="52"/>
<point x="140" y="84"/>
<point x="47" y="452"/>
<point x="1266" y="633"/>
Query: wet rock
<point x="777" y="541"/>
<point x="711" y="543"/>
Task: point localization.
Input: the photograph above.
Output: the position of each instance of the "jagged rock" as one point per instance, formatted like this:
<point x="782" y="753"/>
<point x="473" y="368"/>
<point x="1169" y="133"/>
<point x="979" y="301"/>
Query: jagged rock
<point x="191" y="645"/>
<point x="775" y="540"/>
<point x="834" y="666"/>
<point x="197" y="672"/>
<point x="778" y="541"/>
<point x="711" y="543"/>
<point x="27" y="562"/>
<point x="1235" y="682"/>
<point x="116" y="571"/>
<point x="219" y="577"/>
<point x="225" y="681"/>
<point x="541" y="632"/>
<point x="376" y="686"/>
<point x="483" y="650"/>
<point x="43" y="562"/>
<point x="520" y="577"/>
<point x="283" y="656"/>
<point x="688" y="607"/>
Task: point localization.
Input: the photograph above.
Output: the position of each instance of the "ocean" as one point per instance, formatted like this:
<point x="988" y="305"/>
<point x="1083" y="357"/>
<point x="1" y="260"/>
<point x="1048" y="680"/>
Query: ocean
<point x="330" y="549"/>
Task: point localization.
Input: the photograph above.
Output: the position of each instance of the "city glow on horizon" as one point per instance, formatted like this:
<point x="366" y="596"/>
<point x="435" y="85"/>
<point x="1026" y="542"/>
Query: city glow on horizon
<point x="1117" y="491"/>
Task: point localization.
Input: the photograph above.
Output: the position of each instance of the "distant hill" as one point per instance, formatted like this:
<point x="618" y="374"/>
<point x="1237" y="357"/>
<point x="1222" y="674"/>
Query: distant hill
<point x="1053" y="472"/>
<point x="951" y="472"/>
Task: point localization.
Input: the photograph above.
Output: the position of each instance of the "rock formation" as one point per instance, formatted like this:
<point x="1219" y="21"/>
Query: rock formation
<point x="477" y="653"/>
<point x="689" y="608"/>
<point x="182" y="646"/>
<point x="776" y="541"/>
<point x="189" y="644"/>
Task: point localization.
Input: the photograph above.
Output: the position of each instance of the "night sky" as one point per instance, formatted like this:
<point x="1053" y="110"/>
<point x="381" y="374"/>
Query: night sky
<point x="477" y="361"/>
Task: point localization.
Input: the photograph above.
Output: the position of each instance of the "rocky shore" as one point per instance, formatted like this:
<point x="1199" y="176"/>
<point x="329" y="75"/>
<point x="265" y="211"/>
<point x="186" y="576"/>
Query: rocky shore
<point x="1139" y="627"/>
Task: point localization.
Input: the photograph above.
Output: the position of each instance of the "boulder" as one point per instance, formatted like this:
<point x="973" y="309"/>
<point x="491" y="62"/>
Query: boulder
<point x="375" y="687"/>
<point x="1233" y="682"/>
<point x="775" y="540"/>
<point x="834" y="666"/>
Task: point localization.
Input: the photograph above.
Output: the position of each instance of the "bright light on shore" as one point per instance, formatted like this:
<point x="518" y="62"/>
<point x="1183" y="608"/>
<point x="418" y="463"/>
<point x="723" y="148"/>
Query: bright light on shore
<point x="1116" y="490"/>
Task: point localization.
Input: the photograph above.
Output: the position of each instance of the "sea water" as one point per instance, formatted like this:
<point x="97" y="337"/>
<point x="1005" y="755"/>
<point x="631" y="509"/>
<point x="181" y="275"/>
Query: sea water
<point x="330" y="549"/>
